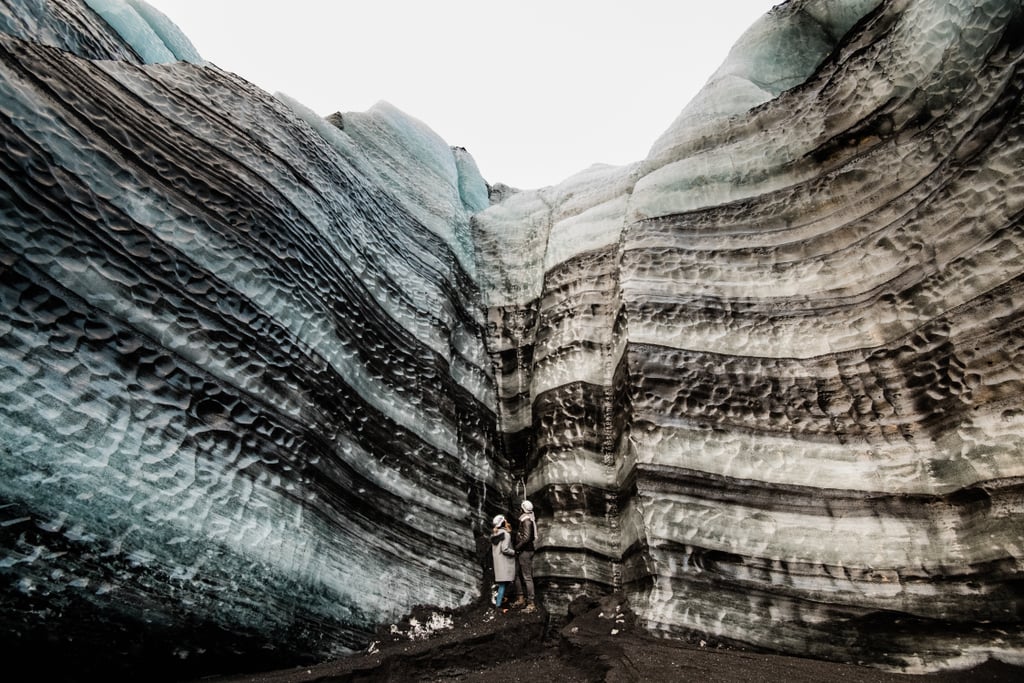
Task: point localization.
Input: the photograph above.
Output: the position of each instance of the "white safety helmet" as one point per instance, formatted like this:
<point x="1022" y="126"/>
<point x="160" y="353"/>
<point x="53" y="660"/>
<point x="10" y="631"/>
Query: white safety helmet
<point x="527" y="506"/>
<point x="498" y="520"/>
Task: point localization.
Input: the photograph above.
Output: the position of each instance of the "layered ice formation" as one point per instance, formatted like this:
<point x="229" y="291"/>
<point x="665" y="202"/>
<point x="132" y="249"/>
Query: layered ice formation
<point x="264" y="376"/>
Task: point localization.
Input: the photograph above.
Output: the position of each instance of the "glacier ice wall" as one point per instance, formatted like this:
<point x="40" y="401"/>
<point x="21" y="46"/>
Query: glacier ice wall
<point x="245" y="408"/>
<point x="265" y="374"/>
<point x="766" y="381"/>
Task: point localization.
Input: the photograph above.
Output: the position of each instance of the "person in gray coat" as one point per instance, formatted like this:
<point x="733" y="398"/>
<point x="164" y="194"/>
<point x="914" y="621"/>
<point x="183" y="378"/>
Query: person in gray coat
<point x="504" y="556"/>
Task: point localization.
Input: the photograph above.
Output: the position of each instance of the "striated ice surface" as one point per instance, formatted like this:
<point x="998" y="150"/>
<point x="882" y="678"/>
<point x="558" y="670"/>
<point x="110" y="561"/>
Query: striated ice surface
<point x="176" y="42"/>
<point x="265" y="376"/>
<point x="779" y="51"/>
<point x="762" y="391"/>
<point x="155" y="38"/>
<point x="246" y="408"/>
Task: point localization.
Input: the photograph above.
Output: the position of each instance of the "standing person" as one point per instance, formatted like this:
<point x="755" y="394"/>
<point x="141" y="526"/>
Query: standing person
<point x="503" y="555"/>
<point x="526" y="537"/>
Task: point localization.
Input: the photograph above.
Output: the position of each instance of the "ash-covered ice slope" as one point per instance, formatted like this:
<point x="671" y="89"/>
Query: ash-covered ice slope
<point x="245" y="407"/>
<point x="263" y="376"/>
<point x="768" y="380"/>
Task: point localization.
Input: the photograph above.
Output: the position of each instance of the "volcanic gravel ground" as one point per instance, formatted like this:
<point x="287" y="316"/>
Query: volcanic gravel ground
<point x="597" y="641"/>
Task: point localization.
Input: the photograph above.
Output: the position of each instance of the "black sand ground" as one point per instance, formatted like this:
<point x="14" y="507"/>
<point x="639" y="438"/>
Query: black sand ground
<point x="598" y="641"/>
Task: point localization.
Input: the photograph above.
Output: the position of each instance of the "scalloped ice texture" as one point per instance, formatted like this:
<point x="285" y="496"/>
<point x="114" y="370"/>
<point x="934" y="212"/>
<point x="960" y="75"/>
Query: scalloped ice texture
<point x="243" y="381"/>
<point x="176" y="42"/>
<point x="779" y="51"/>
<point x="265" y="377"/>
<point x="154" y="37"/>
<point x="772" y="334"/>
<point x="68" y="26"/>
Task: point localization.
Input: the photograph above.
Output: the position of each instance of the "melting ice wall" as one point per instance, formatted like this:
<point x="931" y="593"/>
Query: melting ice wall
<point x="767" y="380"/>
<point x="264" y="374"/>
<point x="245" y="408"/>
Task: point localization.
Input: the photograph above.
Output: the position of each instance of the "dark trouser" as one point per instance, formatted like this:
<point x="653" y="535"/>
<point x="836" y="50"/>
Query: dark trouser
<point x="525" y="574"/>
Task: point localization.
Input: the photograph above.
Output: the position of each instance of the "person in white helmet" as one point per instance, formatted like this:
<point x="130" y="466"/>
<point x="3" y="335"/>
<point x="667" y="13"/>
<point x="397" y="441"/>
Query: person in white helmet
<point x="525" y="545"/>
<point x="503" y="555"/>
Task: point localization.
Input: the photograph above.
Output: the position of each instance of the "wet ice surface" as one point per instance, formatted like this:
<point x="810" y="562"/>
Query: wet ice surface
<point x="263" y="375"/>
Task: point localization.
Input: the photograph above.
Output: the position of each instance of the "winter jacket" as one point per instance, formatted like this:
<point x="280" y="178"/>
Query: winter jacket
<point x="526" y="534"/>
<point x="503" y="554"/>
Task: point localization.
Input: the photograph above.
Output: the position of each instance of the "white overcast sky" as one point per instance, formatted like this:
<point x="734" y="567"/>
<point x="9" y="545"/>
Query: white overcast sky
<point x="536" y="90"/>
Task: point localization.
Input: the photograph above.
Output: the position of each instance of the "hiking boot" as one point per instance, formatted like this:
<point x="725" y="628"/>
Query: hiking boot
<point x="530" y="607"/>
<point x="519" y="602"/>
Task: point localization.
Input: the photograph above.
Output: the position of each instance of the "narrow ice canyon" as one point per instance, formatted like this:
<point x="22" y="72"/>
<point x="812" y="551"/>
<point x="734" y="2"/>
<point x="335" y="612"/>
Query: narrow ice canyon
<point x="265" y="376"/>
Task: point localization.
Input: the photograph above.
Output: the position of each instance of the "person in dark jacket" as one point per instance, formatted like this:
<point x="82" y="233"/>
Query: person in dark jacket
<point x="525" y="545"/>
<point x="503" y="555"/>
